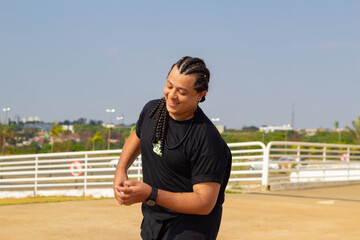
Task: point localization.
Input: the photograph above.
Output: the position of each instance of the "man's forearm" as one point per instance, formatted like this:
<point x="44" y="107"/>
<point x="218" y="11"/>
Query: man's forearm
<point x="201" y="201"/>
<point x="130" y="151"/>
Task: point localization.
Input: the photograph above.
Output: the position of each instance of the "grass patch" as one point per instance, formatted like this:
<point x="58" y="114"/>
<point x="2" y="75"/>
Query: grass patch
<point x="232" y="192"/>
<point x="237" y="187"/>
<point x="38" y="199"/>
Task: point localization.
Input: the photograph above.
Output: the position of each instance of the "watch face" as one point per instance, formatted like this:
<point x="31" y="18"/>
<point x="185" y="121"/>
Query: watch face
<point x="150" y="203"/>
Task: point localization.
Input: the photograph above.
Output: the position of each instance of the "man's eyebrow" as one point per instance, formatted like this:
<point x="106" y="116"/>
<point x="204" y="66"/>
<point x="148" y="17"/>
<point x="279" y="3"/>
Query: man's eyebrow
<point x="183" y="89"/>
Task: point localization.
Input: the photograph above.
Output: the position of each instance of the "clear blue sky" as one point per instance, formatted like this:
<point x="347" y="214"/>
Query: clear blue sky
<point x="69" y="59"/>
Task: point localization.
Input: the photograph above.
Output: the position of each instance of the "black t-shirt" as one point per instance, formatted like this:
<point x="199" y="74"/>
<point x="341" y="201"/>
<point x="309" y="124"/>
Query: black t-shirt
<point x="202" y="157"/>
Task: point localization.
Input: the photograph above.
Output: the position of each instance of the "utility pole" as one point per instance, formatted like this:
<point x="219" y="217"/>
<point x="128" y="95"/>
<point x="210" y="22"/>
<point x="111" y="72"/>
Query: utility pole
<point x="6" y="110"/>
<point x="120" y="118"/>
<point x="110" y="111"/>
<point x="293" y="116"/>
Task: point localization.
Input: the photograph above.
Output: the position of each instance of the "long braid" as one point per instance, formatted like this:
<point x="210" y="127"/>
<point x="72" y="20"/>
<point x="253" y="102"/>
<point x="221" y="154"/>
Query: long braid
<point x="160" y="124"/>
<point x="186" y="65"/>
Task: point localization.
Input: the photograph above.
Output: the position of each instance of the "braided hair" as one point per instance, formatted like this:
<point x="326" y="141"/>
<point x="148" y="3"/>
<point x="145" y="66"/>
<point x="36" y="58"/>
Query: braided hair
<point x="186" y="65"/>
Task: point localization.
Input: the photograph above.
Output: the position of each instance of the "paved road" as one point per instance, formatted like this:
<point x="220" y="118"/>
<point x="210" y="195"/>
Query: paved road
<point x="327" y="213"/>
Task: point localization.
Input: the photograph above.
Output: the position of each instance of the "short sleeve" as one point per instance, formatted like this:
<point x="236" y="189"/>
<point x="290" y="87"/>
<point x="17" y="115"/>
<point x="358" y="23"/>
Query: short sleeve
<point x="210" y="164"/>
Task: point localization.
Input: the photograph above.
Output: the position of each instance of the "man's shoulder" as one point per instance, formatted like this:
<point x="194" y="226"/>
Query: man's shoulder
<point x="206" y="125"/>
<point x="205" y="133"/>
<point x="150" y="105"/>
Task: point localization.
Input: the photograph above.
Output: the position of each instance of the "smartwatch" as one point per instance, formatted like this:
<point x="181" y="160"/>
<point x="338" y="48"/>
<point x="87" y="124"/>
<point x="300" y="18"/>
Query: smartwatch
<point x="151" y="201"/>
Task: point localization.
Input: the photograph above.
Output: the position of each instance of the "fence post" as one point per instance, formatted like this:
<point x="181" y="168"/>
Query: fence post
<point x="36" y="175"/>
<point x="324" y="163"/>
<point x="298" y="160"/>
<point x="265" y="174"/>
<point x="348" y="163"/>
<point x="85" y="174"/>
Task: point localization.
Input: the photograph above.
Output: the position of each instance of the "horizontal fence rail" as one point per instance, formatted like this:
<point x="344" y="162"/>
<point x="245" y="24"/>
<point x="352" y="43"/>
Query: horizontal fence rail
<point x="253" y="163"/>
<point x="310" y="162"/>
<point x="74" y="170"/>
<point x="247" y="161"/>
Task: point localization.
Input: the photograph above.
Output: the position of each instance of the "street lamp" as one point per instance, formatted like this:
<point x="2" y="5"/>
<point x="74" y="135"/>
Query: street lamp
<point x="215" y="119"/>
<point x="339" y="130"/>
<point x="110" y="111"/>
<point x="6" y="110"/>
<point x="220" y="128"/>
<point x="120" y="118"/>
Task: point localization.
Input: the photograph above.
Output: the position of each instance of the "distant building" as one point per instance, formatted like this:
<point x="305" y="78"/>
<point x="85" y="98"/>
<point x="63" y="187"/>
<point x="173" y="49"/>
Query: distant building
<point x="336" y="126"/>
<point x="311" y="131"/>
<point x="108" y="125"/>
<point x="220" y="128"/>
<point x="22" y="120"/>
<point x="267" y="129"/>
<point x="34" y="119"/>
<point x="69" y="128"/>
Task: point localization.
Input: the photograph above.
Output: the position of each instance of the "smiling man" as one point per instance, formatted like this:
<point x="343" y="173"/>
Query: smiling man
<point x="186" y="163"/>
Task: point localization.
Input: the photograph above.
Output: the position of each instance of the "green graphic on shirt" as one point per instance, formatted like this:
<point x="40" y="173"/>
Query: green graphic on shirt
<point x="157" y="148"/>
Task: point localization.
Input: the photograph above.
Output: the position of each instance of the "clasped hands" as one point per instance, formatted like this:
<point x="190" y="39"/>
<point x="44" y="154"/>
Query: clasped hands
<point x="130" y="192"/>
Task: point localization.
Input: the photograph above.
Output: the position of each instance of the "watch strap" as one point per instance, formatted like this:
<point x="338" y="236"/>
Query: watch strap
<point x="152" y="198"/>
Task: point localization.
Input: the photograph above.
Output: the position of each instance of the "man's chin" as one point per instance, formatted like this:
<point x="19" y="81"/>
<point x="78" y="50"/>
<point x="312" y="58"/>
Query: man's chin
<point x="171" y="108"/>
<point x="171" y="111"/>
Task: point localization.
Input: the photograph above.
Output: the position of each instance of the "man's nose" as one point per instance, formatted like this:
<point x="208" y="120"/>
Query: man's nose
<point x="172" y="94"/>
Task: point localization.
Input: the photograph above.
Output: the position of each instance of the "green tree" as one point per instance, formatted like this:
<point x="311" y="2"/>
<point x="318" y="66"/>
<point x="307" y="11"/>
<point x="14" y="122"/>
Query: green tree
<point x="3" y="139"/>
<point x="7" y="135"/>
<point x="29" y="132"/>
<point x="97" y="138"/>
<point x="354" y="132"/>
<point x="33" y="148"/>
<point x="55" y="132"/>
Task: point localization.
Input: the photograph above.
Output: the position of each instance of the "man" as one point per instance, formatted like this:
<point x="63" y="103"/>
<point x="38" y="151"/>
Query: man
<point x="186" y="163"/>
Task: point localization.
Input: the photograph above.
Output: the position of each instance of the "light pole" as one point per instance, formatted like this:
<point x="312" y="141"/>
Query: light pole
<point x="120" y="118"/>
<point x="215" y="119"/>
<point x="110" y="111"/>
<point x="339" y="130"/>
<point x="3" y="144"/>
<point x="218" y="127"/>
<point x="6" y="110"/>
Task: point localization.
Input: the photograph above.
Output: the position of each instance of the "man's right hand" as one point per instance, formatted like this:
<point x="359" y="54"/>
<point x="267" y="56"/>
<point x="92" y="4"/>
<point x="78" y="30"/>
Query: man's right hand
<point x="119" y="182"/>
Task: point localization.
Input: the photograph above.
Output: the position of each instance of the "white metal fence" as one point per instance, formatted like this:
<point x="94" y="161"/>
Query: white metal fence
<point x="309" y="162"/>
<point x="248" y="159"/>
<point x="72" y="170"/>
<point x="253" y="163"/>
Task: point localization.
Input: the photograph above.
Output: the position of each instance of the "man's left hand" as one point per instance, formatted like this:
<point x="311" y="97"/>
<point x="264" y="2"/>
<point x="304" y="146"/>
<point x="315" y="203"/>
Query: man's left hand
<point x="133" y="192"/>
